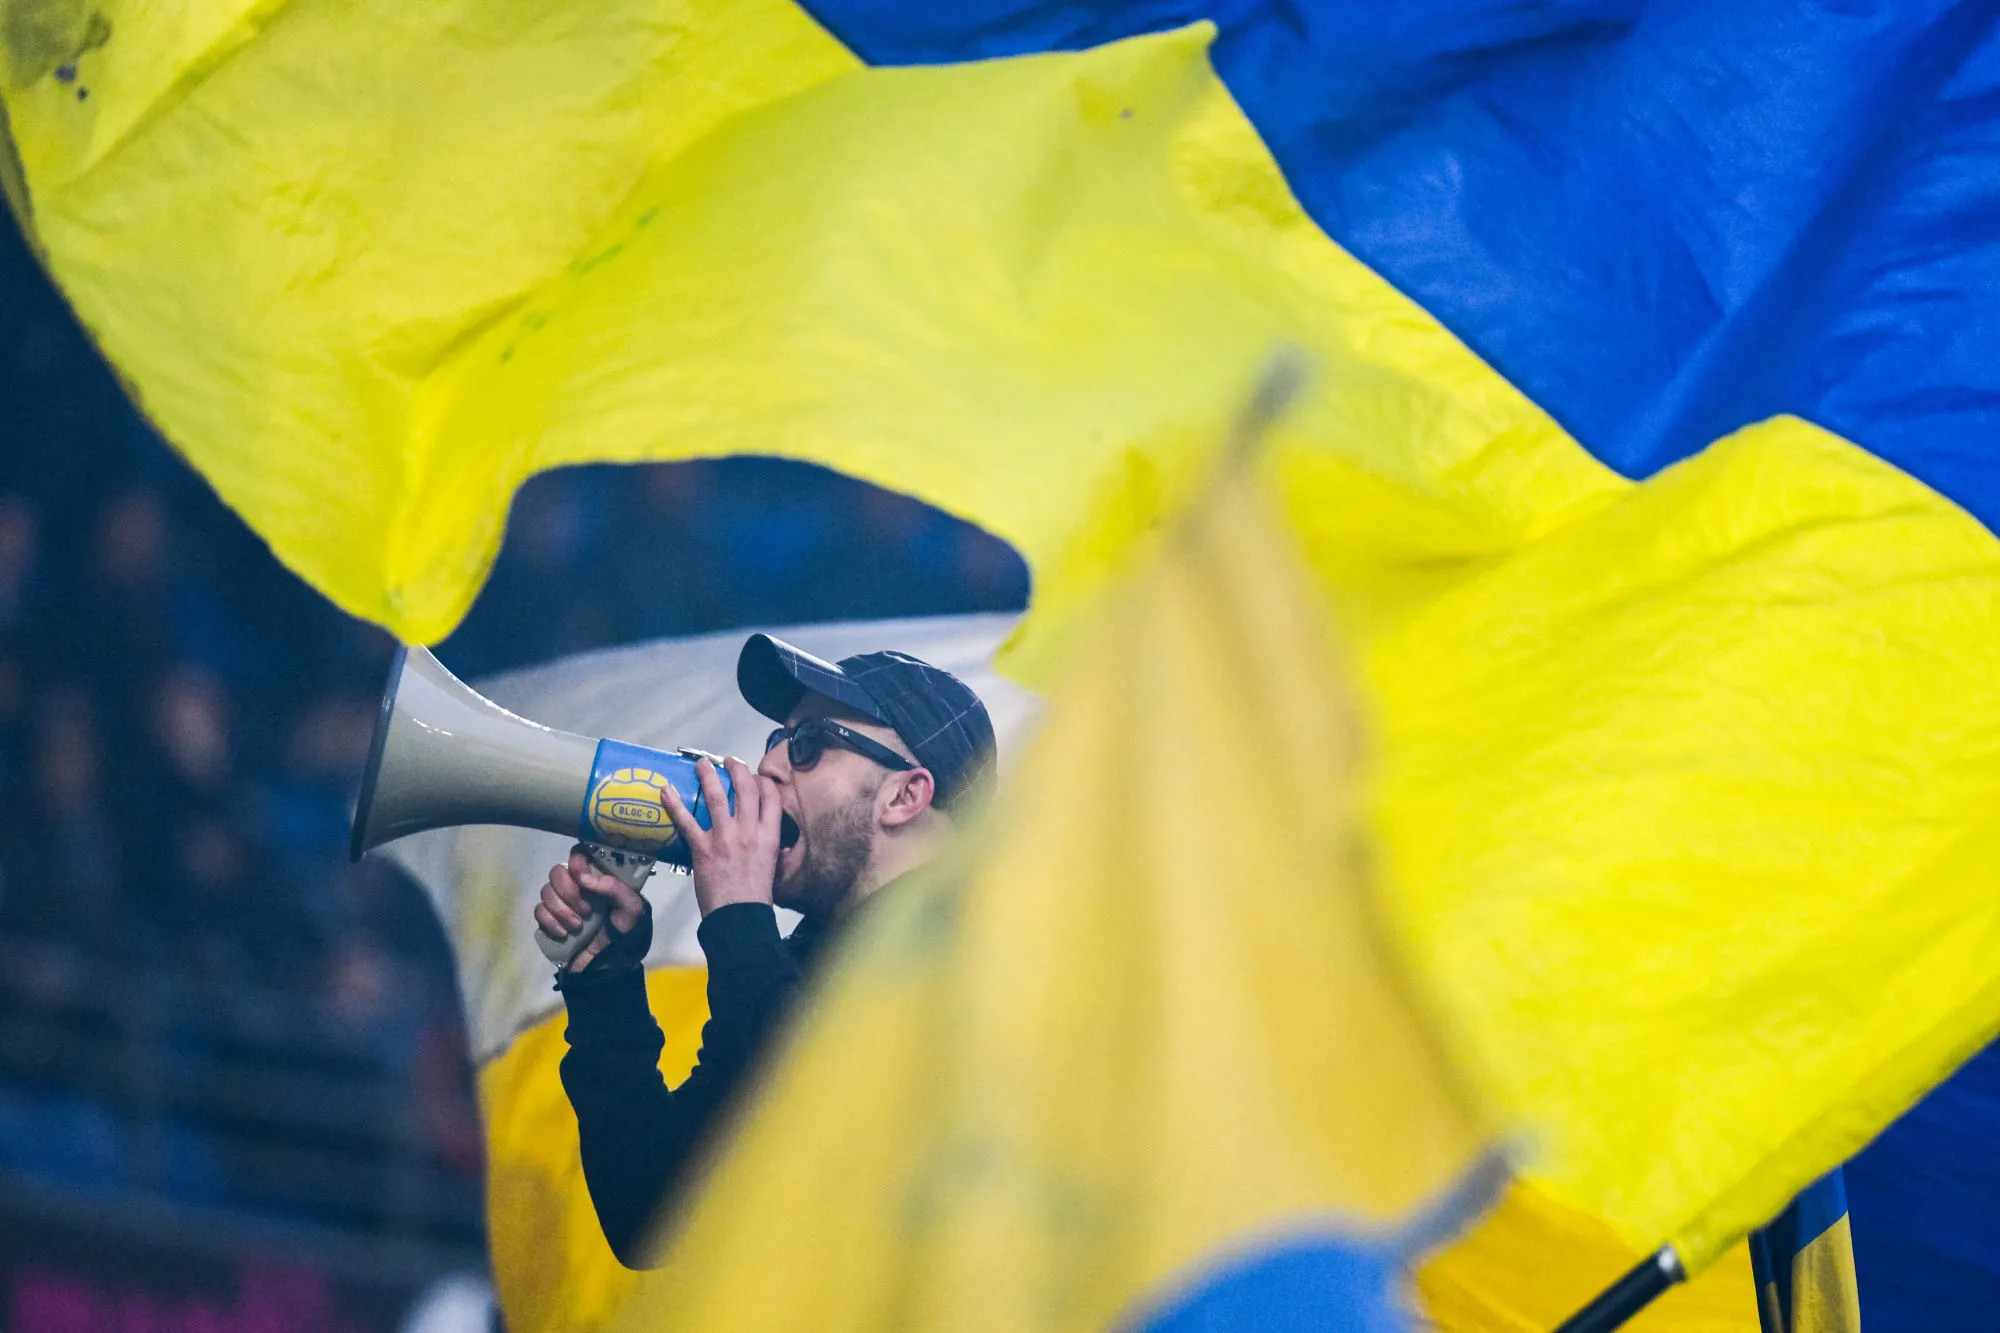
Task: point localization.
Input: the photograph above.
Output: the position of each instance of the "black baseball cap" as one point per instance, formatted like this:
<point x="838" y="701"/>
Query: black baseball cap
<point x="936" y="714"/>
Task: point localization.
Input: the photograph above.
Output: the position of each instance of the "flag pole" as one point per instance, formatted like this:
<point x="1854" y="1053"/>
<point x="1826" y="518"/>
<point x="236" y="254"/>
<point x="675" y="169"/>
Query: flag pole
<point x="1629" y="1294"/>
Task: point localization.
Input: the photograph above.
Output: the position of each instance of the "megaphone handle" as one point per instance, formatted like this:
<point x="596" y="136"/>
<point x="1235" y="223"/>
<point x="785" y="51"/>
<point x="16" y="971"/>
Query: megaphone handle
<point x="631" y="868"/>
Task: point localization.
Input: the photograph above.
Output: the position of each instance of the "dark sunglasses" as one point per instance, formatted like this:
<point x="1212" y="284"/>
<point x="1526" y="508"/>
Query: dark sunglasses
<point x="806" y="742"/>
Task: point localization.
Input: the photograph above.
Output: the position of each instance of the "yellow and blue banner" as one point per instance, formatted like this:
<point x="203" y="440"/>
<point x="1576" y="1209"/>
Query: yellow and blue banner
<point x="1648" y="470"/>
<point x="1804" y="1264"/>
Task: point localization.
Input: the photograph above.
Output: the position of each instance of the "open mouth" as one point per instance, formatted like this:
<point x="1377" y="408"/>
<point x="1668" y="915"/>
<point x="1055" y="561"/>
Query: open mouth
<point x="788" y="832"/>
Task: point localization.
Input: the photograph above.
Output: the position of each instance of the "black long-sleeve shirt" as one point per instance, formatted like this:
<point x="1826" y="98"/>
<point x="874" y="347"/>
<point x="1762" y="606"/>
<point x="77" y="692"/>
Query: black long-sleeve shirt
<point x="637" y="1135"/>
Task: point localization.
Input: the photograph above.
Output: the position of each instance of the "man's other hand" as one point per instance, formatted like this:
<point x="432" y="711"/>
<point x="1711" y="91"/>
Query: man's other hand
<point x="735" y="859"/>
<point x="563" y="907"/>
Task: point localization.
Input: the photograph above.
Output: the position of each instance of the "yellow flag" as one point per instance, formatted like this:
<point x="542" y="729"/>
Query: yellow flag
<point x="1142" y="1036"/>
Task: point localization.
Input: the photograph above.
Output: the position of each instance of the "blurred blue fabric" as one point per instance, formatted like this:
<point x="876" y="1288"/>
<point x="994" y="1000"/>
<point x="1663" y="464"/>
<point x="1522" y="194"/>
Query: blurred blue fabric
<point x="1924" y="1204"/>
<point x="1298" y="1284"/>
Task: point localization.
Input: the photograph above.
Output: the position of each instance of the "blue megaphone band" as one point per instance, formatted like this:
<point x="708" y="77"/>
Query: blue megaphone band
<point x="621" y="805"/>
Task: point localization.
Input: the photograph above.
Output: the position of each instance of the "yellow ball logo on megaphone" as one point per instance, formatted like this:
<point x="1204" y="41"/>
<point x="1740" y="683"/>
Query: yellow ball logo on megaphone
<point x="625" y="810"/>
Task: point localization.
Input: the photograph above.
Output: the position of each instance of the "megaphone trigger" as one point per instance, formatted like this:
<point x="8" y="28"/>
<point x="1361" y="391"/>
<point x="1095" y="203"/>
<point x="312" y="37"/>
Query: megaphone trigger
<point x="631" y="868"/>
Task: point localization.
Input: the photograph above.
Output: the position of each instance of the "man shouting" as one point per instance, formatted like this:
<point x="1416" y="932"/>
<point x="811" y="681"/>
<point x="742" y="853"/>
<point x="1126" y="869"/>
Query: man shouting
<point x="859" y="785"/>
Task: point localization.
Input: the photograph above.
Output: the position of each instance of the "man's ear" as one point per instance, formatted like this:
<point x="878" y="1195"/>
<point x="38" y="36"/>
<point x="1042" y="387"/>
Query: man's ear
<point x="910" y="794"/>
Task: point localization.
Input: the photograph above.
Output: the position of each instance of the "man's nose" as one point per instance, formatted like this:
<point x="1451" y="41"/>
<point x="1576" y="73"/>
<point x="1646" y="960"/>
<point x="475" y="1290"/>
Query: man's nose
<point x="776" y="764"/>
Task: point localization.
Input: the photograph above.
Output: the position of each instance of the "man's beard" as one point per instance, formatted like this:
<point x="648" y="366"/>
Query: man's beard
<point x="838" y="845"/>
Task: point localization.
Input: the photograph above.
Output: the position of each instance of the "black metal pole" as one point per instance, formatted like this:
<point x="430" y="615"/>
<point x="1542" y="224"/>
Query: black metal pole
<point x="1628" y="1295"/>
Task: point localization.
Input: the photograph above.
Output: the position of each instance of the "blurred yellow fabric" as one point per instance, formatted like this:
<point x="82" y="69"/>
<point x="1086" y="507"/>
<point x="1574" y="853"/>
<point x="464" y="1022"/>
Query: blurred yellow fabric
<point x="1145" y="1017"/>
<point x="1531" y="1263"/>
<point x="1523" y="1268"/>
<point x="552" y="1269"/>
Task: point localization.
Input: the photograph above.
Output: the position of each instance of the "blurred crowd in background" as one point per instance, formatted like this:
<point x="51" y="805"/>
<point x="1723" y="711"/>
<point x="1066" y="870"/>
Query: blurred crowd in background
<point x="182" y="726"/>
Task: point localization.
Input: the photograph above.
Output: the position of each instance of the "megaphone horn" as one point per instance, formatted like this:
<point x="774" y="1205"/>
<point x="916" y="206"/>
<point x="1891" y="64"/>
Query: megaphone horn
<point x="445" y="755"/>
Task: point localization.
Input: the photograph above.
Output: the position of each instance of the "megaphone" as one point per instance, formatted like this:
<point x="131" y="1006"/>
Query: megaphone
<point x="444" y="755"/>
